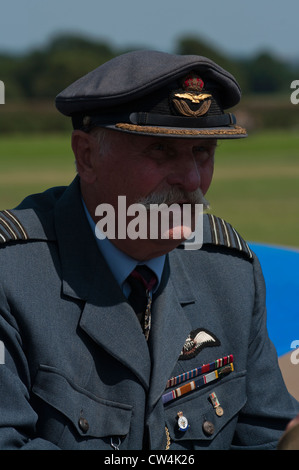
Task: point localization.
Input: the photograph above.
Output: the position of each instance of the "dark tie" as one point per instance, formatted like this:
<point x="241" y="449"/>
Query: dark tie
<point x="142" y="280"/>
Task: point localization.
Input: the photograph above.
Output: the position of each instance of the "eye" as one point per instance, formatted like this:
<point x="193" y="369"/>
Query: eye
<point x="208" y="148"/>
<point x="158" y="151"/>
<point x="200" y="149"/>
<point x="159" y="146"/>
<point x="203" y="153"/>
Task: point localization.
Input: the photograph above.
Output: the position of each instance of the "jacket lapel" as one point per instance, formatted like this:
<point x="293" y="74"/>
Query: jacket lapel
<point x="170" y="328"/>
<point x="111" y="322"/>
<point x="107" y="317"/>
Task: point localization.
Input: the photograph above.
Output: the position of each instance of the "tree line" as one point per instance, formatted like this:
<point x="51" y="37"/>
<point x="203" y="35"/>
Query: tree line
<point x="42" y="73"/>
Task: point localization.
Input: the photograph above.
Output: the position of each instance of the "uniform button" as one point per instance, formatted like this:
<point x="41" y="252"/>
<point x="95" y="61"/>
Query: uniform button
<point x="208" y="428"/>
<point x="83" y="424"/>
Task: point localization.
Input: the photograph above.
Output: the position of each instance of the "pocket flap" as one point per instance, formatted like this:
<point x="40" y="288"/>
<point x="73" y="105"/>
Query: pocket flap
<point x="91" y="415"/>
<point x="203" y="421"/>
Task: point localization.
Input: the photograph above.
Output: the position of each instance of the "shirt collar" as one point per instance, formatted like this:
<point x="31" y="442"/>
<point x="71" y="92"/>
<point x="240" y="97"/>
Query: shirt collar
<point x="120" y="264"/>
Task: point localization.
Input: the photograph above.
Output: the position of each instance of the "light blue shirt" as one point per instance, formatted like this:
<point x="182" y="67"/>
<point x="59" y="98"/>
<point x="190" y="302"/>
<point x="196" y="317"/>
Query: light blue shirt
<point x="120" y="264"/>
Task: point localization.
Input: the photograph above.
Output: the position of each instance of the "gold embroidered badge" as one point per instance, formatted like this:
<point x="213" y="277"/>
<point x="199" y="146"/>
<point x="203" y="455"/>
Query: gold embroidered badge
<point x="192" y="103"/>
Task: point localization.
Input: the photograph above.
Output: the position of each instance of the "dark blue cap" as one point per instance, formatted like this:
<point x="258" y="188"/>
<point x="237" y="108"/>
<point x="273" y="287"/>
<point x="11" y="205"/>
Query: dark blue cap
<point x="155" y="93"/>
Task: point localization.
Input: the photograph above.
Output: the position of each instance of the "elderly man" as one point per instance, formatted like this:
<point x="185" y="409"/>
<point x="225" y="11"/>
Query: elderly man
<point x="131" y="342"/>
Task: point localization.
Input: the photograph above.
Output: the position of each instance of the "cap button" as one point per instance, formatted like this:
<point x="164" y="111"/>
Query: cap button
<point x="83" y="424"/>
<point x="208" y="428"/>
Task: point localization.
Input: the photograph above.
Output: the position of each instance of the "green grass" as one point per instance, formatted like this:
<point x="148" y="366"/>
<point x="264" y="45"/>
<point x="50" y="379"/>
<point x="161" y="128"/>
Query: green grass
<point x="32" y="164"/>
<point x="255" y="186"/>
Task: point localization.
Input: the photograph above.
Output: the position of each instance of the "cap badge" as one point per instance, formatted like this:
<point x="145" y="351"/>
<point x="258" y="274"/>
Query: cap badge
<point x="192" y="103"/>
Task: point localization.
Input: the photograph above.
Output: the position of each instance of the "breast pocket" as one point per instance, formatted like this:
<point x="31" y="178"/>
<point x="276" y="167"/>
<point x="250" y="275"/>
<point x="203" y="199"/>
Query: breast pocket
<point x="209" y="415"/>
<point x="74" y="418"/>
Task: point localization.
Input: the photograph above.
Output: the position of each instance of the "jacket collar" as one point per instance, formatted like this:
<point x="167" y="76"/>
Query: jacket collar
<point x="76" y="244"/>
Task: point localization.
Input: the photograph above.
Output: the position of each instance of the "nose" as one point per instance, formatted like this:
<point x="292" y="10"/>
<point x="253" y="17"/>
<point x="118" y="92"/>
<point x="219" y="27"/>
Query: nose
<point x="185" y="174"/>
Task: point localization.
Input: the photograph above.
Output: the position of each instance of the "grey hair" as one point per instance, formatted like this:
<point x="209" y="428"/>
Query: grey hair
<point x="100" y="133"/>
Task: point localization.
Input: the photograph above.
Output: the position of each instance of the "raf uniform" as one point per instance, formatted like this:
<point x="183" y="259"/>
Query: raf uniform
<point x="78" y="373"/>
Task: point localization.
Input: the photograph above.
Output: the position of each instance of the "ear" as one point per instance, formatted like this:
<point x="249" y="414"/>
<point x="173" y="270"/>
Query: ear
<point x="84" y="148"/>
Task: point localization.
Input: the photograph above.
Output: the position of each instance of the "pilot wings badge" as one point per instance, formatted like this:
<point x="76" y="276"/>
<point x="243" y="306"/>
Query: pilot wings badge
<point x="192" y="102"/>
<point x="196" y="341"/>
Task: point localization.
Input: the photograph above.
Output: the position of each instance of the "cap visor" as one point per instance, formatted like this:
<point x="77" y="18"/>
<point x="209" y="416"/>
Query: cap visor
<point x="231" y="132"/>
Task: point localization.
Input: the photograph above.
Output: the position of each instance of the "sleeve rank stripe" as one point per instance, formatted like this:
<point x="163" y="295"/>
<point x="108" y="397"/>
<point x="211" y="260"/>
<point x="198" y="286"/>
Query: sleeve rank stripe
<point x="3" y="238"/>
<point x="8" y="229"/>
<point x="213" y="229"/>
<point x="217" y="229"/>
<point x="17" y="223"/>
<point x="222" y="233"/>
<point x="12" y="227"/>
<point x="237" y="239"/>
<point x="225" y="233"/>
<point x="249" y="251"/>
<point x="243" y="245"/>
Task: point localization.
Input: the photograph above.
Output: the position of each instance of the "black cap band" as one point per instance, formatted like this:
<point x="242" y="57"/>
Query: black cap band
<point x="150" y="119"/>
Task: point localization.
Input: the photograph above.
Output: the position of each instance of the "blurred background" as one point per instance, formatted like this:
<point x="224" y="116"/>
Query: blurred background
<point x="44" y="46"/>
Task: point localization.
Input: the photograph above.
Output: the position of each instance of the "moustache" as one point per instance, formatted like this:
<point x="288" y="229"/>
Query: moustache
<point x="175" y="196"/>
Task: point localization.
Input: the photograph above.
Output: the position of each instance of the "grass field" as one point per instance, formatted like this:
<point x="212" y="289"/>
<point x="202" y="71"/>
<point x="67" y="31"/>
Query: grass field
<point x="255" y="187"/>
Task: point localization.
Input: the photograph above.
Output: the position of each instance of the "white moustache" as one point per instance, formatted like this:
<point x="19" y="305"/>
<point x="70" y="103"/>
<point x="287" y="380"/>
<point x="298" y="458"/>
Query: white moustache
<point x="175" y="196"/>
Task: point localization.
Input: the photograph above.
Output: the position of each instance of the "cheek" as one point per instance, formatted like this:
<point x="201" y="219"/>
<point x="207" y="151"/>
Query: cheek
<point x="133" y="181"/>
<point x="206" y="176"/>
<point x="145" y="179"/>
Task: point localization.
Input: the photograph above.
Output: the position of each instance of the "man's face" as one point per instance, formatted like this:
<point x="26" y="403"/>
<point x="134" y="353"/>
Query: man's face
<point x="141" y="166"/>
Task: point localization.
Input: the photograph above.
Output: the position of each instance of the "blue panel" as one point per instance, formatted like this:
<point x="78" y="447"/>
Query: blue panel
<point x="281" y="271"/>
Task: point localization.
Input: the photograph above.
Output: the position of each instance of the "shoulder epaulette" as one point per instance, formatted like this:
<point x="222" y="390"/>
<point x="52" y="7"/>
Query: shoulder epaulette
<point x="222" y="233"/>
<point x="218" y="232"/>
<point x="11" y="229"/>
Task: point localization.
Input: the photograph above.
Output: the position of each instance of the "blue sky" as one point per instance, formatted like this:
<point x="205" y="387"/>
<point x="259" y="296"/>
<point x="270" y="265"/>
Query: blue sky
<point x="234" y="26"/>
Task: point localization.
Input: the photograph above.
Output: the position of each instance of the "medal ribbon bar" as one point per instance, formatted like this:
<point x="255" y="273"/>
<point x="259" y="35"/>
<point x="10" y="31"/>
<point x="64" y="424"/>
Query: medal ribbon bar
<point x="198" y="383"/>
<point x="199" y="370"/>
